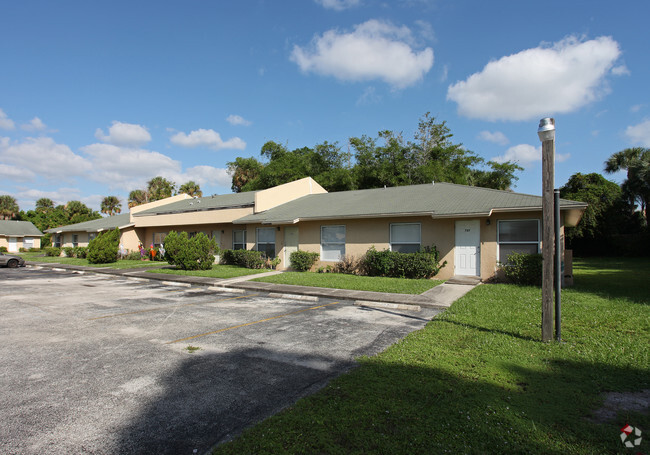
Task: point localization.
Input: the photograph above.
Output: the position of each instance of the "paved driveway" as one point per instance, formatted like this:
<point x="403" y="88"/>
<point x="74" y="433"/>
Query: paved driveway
<point x="100" y="364"/>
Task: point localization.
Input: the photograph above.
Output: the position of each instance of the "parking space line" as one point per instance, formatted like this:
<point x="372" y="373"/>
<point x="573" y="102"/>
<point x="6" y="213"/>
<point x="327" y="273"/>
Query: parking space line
<point x="168" y="307"/>
<point x="249" y="323"/>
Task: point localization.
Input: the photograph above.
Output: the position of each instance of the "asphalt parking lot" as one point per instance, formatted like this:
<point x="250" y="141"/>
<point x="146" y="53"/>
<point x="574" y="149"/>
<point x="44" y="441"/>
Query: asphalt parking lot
<point x="107" y="365"/>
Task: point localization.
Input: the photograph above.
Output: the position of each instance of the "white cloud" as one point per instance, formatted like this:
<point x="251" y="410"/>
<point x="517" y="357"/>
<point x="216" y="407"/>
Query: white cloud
<point x="35" y="124"/>
<point x="374" y="50"/>
<point x="238" y="120"/>
<point x="206" y="175"/>
<point x="620" y="70"/>
<point x="538" y="82"/>
<point x="497" y="137"/>
<point x="636" y="107"/>
<point x="207" y="138"/>
<point x="338" y="5"/>
<point x="369" y="96"/>
<point x="124" y="134"/>
<point x="44" y="157"/>
<point x="5" y="122"/>
<point x="526" y="154"/>
<point x="15" y="173"/>
<point x="639" y="134"/>
<point x="127" y="168"/>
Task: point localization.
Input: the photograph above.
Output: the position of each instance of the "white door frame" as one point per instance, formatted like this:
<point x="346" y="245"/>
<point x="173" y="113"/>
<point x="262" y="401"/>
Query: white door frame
<point x="467" y="249"/>
<point x="13" y="245"/>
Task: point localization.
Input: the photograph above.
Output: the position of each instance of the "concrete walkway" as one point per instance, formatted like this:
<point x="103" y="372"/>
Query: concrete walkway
<point x="439" y="297"/>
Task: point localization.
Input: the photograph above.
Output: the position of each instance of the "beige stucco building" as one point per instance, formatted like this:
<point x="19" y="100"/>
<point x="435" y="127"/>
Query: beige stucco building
<point x="15" y="235"/>
<point x="472" y="228"/>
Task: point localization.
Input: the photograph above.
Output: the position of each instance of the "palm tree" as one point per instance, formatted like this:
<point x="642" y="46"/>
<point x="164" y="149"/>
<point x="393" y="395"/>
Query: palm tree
<point x="160" y="188"/>
<point x="8" y="207"/>
<point x="138" y="197"/>
<point x="191" y="188"/>
<point x="111" y="205"/>
<point x="636" y="161"/>
<point x="44" y="204"/>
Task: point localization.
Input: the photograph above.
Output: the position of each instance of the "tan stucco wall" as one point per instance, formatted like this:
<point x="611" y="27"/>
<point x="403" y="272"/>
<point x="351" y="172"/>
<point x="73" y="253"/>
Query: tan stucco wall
<point x="151" y="205"/>
<point x="4" y="241"/>
<point x="281" y="194"/>
<point x="188" y="219"/>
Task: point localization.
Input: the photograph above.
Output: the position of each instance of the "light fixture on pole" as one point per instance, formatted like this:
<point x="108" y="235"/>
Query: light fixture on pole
<point x="546" y="133"/>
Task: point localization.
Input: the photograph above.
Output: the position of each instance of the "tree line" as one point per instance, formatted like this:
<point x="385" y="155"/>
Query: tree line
<point x="387" y="160"/>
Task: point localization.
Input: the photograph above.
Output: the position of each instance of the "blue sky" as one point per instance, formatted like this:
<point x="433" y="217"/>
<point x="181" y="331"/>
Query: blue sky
<point x="96" y="98"/>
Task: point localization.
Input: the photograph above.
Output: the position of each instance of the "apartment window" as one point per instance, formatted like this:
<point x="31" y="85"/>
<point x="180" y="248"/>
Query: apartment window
<point x="517" y="236"/>
<point x="57" y="241"/>
<point x="405" y="237"/>
<point x="332" y="243"/>
<point x="75" y="240"/>
<point x="239" y="240"/>
<point x="28" y="243"/>
<point x="266" y="241"/>
<point x="91" y="236"/>
<point x="158" y="239"/>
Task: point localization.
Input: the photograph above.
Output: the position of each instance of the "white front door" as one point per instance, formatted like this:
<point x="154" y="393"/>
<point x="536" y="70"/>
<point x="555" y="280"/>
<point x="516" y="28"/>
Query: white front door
<point x="467" y="256"/>
<point x="216" y="236"/>
<point x="290" y="243"/>
<point x="13" y="245"/>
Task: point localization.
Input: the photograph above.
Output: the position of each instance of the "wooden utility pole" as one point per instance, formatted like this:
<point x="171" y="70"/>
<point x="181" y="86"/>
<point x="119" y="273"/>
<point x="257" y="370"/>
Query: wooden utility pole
<point x="546" y="133"/>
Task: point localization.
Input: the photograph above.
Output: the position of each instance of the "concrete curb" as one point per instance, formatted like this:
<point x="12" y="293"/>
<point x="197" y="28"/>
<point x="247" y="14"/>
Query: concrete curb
<point x="440" y="297"/>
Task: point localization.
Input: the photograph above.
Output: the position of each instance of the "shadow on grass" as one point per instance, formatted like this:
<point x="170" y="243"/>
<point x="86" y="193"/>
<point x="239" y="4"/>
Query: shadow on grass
<point x="485" y="329"/>
<point x="378" y="408"/>
<point x="626" y="278"/>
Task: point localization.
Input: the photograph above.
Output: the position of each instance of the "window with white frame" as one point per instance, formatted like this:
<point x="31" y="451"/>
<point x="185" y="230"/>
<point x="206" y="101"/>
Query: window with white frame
<point x="332" y="243"/>
<point x="75" y="240"/>
<point x="517" y="236"/>
<point x="266" y="241"/>
<point x="91" y="236"/>
<point x="57" y="241"/>
<point x="158" y="239"/>
<point x="28" y="243"/>
<point x="239" y="240"/>
<point x="405" y="237"/>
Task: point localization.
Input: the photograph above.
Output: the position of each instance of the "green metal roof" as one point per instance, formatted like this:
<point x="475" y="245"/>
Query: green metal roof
<point x="101" y="224"/>
<point x="216" y="202"/>
<point x="12" y="228"/>
<point x="437" y="200"/>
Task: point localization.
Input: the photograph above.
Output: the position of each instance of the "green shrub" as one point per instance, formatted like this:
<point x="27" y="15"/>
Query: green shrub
<point x="423" y="264"/>
<point x="80" y="252"/>
<point x="69" y="251"/>
<point x="250" y="259"/>
<point x="3" y="249"/>
<point x="133" y="256"/>
<point x="103" y="248"/>
<point x="302" y="261"/>
<point x="523" y="268"/>
<point x="52" y="251"/>
<point x="348" y="265"/>
<point x="196" y="253"/>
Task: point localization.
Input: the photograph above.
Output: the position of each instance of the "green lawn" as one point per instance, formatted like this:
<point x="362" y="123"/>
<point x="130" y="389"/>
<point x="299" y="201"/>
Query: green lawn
<point x="218" y="271"/>
<point x="478" y="380"/>
<point x="357" y="283"/>
<point x="122" y="264"/>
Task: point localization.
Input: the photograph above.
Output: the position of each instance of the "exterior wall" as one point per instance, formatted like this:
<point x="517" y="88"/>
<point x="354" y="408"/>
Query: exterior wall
<point x="365" y="233"/>
<point x="146" y="235"/>
<point x="4" y="241"/>
<point x="278" y="195"/>
<point x="185" y="221"/>
<point x="130" y="238"/>
<point x="151" y="205"/>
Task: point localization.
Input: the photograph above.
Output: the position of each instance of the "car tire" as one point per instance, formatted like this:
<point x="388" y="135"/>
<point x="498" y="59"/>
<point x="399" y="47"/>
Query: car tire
<point x="12" y="263"/>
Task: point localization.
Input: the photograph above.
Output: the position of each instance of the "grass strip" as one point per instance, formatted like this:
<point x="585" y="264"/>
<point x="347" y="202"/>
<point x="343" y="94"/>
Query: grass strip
<point x="121" y="264"/>
<point x="477" y="379"/>
<point x="353" y="282"/>
<point x="217" y="271"/>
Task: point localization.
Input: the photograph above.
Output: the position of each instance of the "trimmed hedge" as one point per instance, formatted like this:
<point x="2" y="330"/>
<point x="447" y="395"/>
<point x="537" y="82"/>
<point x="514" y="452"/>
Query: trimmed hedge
<point x="3" y="249"/>
<point x="103" y="248"/>
<point x="52" y="251"/>
<point x="423" y="264"/>
<point x="196" y="253"/>
<point x="302" y="261"/>
<point x="250" y="259"/>
<point x="69" y="251"/>
<point x="523" y="268"/>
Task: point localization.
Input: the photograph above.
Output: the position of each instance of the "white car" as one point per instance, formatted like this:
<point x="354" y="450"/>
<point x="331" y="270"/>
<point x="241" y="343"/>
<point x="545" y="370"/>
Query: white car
<point x="7" y="260"/>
